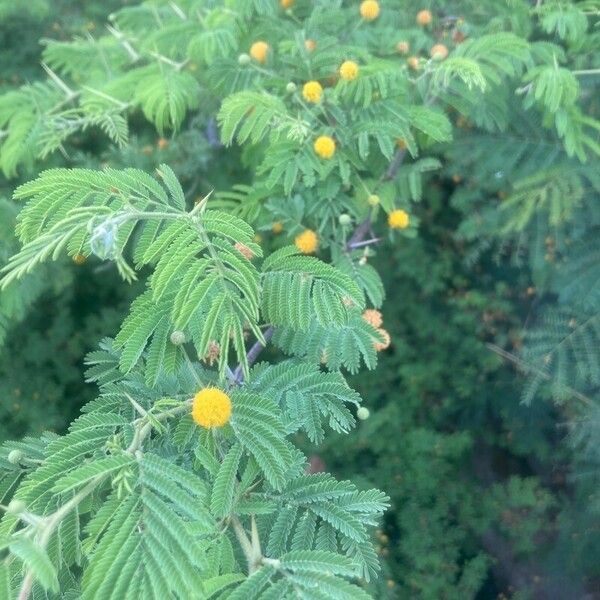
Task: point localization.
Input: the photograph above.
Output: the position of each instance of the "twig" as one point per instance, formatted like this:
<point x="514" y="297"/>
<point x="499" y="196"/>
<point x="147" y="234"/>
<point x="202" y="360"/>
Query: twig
<point x="521" y="364"/>
<point x="252" y="355"/>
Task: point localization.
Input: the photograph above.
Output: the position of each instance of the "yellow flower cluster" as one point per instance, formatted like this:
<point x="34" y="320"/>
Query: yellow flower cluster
<point x="259" y="51"/>
<point x="369" y="10"/>
<point x="424" y="17"/>
<point x="324" y="146"/>
<point x="349" y="70"/>
<point x="373" y="317"/>
<point x="307" y="241"/>
<point x="312" y="91"/>
<point x="211" y="408"/>
<point x="398" y="219"/>
<point x="286" y="3"/>
<point x="438" y="52"/>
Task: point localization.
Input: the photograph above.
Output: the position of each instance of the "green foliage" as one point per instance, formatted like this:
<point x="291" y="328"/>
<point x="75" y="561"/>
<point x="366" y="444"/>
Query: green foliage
<point x="140" y="498"/>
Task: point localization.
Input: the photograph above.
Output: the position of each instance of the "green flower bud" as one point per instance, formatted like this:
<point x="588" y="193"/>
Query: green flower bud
<point x="15" y="457"/>
<point x="290" y="88"/>
<point x="363" y="413"/>
<point x="178" y="338"/>
<point x="244" y="59"/>
<point x="345" y="219"/>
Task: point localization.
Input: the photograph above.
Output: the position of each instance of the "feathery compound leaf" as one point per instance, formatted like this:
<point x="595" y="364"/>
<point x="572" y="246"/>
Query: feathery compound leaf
<point x="223" y="491"/>
<point x="251" y="116"/>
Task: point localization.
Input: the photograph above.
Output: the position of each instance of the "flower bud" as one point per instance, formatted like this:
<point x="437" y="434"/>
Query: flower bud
<point x="244" y="59"/>
<point x="363" y="413"/>
<point x="290" y="88"/>
<point x="178" y="338"/>
<point x="345" y="219"/>
<point x="15" y="457"/>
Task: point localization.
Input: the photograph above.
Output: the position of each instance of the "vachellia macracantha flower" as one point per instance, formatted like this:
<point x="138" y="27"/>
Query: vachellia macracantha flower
<point x="349" y="70"/>
<point x="244" y="250"/>
<point x="211" y="408"/>
<point x="259" y="51"/>
<point x="286" y="3"/>
<point x="310" y="45"/>
<point x="369" y="10"/>
<point x="79" y="259"/>
<point x="424" y="17"/>
<point x="438" y="52"/>
<point x="398" y="219"/>
<point x="373" y="317"/>
<point x="403" y="47"/>
<point x="385" y="344"/>
<point x="307" y="241"/>
<point x="312" y="91"/>
<point x="277" y="228"/>
<point x="324" y="146"/>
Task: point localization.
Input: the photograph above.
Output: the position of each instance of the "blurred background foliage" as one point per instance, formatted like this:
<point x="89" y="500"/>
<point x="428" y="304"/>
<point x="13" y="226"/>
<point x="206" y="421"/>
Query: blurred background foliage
<point x="488" y="499"/>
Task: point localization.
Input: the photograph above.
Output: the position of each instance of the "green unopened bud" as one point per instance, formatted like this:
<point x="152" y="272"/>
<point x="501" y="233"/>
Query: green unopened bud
<point x="15" y="457"/>
<point x="16" y="507"/>
<point x="290" y="88"/>
<point x="345" y="219"/>
<point x="178" y="338"/>
<point x="373" y="200"/>
<point x="244" y="59"/>
<point x="363" y="413"/>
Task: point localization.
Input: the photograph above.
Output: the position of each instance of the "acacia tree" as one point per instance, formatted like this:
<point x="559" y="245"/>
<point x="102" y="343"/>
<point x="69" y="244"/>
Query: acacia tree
<point x="184" y="478"/>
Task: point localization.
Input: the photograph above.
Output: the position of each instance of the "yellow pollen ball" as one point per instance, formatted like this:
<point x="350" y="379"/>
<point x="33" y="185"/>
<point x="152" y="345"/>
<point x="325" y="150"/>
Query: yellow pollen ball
<point x="369" y="10"/>
<point x="310" y="45"/>
<point x="373" y="317"/>
<point x="307" y="241"/>
<point x="211" y="408"/>
<point x="424" y="17"/>
<point x="79" y="259"/>
<point x="398" y="219"/>
<point x="324" y="146"/>
<point x="403" y="47"/>
<point x="438" y="52"/>
<point x="312" y="91"/>
<point x="349" y="70"/>
<point x="277" y="228"/>
<point x="259" y="51"/>
<point x="286" y="3"/>
<point x="413" y="63"/>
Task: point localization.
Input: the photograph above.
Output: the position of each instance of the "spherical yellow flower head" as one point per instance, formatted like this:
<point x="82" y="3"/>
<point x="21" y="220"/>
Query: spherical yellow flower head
<point x="403" y="47"/>
<point x="307" y="241"/>
<point x="413" y="63"/>
<point x="424" y="17"/>
<point x="385" y="344"/>
<point x="79" y="259"/>
<point x="277" y="228"/>
<point x="373" y="317"/>
<point x="401" y="143"/>
<point x="438" y="52"/>
<point x="286" y="3"/>
<point x="398" y="219"/>
<point x="259" y="51"/>
<point x="312" y="91"/>
<point x="324" y="146"/>
<point x="369" y="10"/>
<point x="211" y="408"/>
<point x="349" y="70"/>
<point x="310" y="45"/>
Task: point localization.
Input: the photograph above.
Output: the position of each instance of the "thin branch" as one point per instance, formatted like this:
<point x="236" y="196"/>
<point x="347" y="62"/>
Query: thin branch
<point x="527" y="368"/>
<point x="252" y="355"/>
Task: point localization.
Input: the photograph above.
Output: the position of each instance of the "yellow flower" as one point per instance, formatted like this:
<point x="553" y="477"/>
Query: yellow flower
<point x="244" y="250"/>
<point x="286" y="3"/>
<point x="438" y="52"/>
<point x="79" y="259"/>
<point x="307" y="241"/>
<point x="373" y="317"/>
<point x="324" y="146"/>
<point x="387" y="340"/>
<point x="403" y="47"/>
<point x="424" y="17"/>
<point x="369" y="10"/>
<point x="398" y="219"/>
<point x="310" y="45"/>
<point x="413" y="63"/>
<point x="259" y="51"/>
<point x="312" y="91"/>
<point x="277" y="228"/>
<point x="349" y="70"/>
<point x="211" y="408"/>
